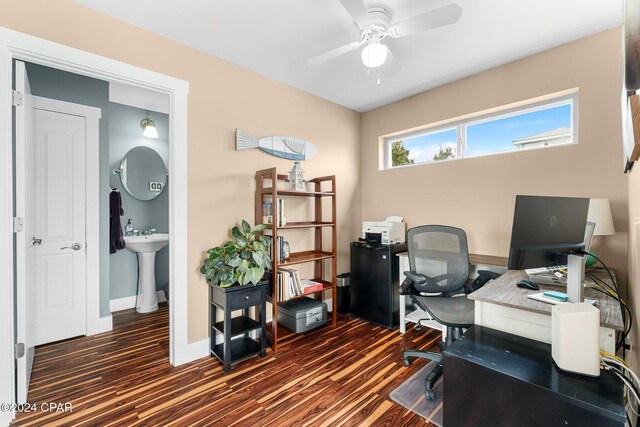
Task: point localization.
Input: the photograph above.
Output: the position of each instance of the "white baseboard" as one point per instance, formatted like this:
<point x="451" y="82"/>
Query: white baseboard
<point x="104" y="324"/>
<point x="130" y="302"/>
<point x="195" y="350"/>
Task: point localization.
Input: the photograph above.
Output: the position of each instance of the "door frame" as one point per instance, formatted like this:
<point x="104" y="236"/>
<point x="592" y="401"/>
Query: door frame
<point x="94" y="324"/>
<point x="16" y="45"/>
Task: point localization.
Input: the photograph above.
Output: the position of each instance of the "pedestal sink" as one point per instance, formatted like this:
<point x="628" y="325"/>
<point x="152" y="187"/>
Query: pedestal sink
<point x="146" y="247"/>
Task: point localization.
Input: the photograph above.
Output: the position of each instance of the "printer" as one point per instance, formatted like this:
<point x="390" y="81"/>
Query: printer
<point x="388" y="232"/>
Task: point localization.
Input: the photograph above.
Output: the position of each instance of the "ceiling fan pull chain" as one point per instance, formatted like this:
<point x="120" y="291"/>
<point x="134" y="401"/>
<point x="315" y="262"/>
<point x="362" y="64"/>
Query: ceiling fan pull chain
<point x="378" y="76"/>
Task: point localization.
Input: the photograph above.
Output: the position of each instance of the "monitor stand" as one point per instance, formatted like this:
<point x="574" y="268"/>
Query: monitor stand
<point x="575" y="278"/>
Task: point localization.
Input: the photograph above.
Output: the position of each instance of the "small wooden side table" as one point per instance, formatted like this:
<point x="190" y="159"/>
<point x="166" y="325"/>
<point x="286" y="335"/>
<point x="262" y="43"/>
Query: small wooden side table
<point x="237" y="343"/>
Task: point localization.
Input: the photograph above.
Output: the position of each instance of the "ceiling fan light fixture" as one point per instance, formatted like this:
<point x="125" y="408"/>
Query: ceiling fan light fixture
<point x="149" y="127"/>
<point x="374" y="54"/>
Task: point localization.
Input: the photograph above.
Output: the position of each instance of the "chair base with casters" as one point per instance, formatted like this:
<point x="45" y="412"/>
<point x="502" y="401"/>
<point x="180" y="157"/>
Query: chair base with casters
<point x="436" y="307"/>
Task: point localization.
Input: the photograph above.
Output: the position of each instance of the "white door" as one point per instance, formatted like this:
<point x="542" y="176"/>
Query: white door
<point x="59" y="225"/>
<point x="25" y="253"/>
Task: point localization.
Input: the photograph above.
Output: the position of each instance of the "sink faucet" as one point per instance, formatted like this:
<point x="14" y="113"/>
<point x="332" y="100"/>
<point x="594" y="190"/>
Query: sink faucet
<point x="148" y="231"/>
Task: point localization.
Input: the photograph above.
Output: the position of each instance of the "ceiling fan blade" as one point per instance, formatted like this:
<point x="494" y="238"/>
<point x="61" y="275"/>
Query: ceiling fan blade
<point x="440" y="17"/>
<point x="391" y="67"/>
<point x="334" y="53"/>
<point x="358" y="11"/>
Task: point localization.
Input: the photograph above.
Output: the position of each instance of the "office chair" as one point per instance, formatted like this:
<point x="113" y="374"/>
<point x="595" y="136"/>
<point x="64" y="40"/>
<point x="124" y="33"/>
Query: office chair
<point x="439" y="262"/>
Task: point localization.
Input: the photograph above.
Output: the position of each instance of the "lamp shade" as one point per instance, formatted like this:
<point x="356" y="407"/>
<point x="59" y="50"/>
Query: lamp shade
<point x="600" y="213"/>
<point x="149" y="127"/>
<point x="150" y="132"/>
<point x="374" y="54"/>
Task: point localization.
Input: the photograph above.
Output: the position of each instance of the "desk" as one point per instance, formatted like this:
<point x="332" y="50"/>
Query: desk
<point x="494" y="378"/>
<point x="501" y="305"/>
<point x="476" y="262"/>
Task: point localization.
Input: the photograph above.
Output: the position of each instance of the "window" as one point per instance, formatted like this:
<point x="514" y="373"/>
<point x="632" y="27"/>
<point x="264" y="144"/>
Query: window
<point x="427" y="147"/>
<point x="536" y="126"/>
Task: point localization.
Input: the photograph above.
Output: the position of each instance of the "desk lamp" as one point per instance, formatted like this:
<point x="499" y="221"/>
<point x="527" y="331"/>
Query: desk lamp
<point x="600" y="213"/>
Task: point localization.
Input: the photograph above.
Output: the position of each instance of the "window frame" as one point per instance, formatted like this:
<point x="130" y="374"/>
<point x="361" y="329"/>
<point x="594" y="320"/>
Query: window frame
<point x="461" y="125"/>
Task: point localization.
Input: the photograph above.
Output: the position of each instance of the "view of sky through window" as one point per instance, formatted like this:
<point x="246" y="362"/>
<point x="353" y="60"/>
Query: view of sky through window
<point x="424" y="148"/>
<point x="497" y="136"/>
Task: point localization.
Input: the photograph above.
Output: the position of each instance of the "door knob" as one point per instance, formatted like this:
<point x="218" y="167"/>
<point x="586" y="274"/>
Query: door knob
<point x="35" y="241"/>
<point x="75" y="247"/>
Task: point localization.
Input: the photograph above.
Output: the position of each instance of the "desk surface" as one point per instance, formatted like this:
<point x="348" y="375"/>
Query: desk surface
<point x="478" y="259"/>
<point x="503" y="291"/>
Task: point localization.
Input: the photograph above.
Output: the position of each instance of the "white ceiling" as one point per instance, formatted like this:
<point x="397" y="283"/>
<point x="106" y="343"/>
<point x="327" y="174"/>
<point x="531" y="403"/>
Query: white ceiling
<point x="276" y="37"/>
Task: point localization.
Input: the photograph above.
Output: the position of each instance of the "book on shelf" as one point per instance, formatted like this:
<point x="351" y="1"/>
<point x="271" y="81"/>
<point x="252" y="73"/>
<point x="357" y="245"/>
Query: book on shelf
<point x="294" y="277"/>
<point x="282" y="218"/>
<point x="280" y="249"/>
<point x="267" y="212"/>
<point x="310" y="286"/>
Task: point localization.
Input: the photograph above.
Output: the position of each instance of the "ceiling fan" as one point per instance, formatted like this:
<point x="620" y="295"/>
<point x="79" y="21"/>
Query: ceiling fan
<point x="374" y="23"/>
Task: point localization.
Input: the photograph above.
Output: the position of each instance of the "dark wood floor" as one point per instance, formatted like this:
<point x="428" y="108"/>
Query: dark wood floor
<point x="336" y="377"/>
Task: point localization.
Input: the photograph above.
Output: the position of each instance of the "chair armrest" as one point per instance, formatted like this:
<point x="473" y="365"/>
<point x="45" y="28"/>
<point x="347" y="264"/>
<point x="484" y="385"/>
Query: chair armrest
<point x="484" y="276"/>
<point x="417" y="278"/>
<point x="491" y="274"/>
<point x="412" y="279"/>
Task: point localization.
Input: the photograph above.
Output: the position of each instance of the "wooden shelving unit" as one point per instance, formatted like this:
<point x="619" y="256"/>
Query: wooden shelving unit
<point x="323" y="187"/>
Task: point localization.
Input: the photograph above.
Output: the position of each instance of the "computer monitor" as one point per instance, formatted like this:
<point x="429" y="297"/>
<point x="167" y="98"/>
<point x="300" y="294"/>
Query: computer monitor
<point x="546" y="230"/>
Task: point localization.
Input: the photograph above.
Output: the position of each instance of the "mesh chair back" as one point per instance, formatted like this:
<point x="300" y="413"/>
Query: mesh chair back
<point x="440" y="253"/>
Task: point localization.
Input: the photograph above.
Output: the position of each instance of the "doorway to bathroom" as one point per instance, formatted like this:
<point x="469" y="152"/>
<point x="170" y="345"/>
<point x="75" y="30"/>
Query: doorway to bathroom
<point x="17" y="46"/>
<point x="74" y="129"/>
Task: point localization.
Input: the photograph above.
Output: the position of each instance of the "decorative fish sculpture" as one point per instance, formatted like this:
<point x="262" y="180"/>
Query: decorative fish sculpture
<point x="285" y="147"/>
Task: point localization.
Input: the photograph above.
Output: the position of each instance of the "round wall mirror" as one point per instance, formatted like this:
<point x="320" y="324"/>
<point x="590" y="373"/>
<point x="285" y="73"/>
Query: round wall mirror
<point x="143" y="173"/>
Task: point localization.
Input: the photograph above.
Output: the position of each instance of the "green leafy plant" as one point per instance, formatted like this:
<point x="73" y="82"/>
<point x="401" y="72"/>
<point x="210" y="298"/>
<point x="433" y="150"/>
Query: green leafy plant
<point x="400" y="155"/>
<point x="445" y="152"/>
<point x="242" y="260"/>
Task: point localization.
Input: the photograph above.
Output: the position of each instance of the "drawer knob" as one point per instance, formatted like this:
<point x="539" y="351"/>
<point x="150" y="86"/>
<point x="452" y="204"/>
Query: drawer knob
<point x="246" y="297"/>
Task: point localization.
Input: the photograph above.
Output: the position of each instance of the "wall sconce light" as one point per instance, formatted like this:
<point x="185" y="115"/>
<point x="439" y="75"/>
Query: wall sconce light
<point x="149" y="127"/>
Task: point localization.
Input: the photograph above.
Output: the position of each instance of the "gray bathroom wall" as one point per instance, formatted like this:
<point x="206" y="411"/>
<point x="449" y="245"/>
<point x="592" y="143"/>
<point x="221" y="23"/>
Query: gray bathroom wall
<point x="124" y="134"/>
<point x="69" y="87"/>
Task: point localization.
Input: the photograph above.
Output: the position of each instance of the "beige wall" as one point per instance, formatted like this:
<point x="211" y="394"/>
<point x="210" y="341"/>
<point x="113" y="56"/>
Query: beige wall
<point x="478" y="194"/>
<point x="222" y="97"/>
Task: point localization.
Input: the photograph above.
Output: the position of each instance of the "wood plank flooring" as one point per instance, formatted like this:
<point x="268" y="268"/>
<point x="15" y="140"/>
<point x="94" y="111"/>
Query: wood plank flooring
<point x="335" y="377"/>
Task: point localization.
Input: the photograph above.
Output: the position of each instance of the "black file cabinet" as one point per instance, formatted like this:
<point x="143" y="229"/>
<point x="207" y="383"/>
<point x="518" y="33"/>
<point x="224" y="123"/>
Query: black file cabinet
<point x="237" y="343"/>
<point x="374" y="282"/>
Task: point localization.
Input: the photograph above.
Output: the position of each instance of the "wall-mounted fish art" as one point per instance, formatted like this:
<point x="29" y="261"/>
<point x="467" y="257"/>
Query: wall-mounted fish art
<point x="280" y="146"/>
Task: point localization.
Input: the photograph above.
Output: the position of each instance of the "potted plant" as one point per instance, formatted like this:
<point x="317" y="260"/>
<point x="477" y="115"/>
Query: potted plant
<point x="240" y="261"/>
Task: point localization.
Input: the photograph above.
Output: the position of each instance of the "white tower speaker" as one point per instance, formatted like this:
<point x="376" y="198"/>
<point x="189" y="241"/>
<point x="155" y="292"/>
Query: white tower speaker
<point x="575" y="338"/>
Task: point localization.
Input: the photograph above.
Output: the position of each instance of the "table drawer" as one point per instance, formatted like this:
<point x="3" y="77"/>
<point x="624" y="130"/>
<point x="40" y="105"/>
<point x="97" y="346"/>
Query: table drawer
<point x="245" y="298"/>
